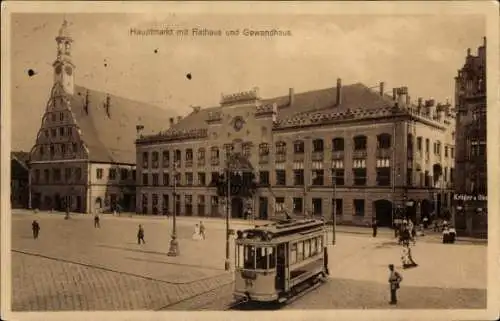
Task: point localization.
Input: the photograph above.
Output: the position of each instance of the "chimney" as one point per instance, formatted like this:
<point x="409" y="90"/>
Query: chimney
<point x="139" y="129"/>
<point x="382" y="89"/>
<point x="394" y="93"/>
<point x="291" y="96"/>
<point x="468" y="51"/>
<point x="339" y="91"/>
<point x="419" y="105"/>
<point x="430" y="109"/>
<point x="171" y="121"/>
<point x="484" y="41"/>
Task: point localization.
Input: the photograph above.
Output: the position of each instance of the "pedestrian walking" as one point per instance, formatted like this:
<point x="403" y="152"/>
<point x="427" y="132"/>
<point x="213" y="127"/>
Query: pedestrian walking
<point x="96" y="221"/>
<point x="196" y="234"/>
<point x="395" y="279"/>
<point x="36" y="229"/>
<point x="202" y="230"/>
<point x="374" y="227"/>
<point x="140" y="235"/>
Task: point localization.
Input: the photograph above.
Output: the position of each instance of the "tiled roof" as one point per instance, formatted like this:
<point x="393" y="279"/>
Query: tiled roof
<point x="354" y="96"/>
<point x="112" y="138"/>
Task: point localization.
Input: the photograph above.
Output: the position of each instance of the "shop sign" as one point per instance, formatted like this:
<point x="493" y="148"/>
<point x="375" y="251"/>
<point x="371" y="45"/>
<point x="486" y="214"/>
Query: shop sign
<point x="470" y="197"/>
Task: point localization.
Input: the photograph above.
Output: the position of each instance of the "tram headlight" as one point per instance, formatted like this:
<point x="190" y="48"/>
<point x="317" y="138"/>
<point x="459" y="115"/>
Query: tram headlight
<point x="240" y="234"/>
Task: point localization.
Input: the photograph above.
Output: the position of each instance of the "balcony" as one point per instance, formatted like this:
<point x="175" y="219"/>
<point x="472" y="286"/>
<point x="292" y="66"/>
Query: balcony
<point x="359" y="153"/>
<point x="339" y="154"/>
<point x="264" y="159"/>
<point x="280" y="158"/>
<point x="384" y="153"/>
<point x="214" y="161"/>
<point x="318" y="156"/>
<point x="201" y="162"/>
<point x="189" y="163"/>
<point x="298" y="157"/>
<point x="155" y="164"/>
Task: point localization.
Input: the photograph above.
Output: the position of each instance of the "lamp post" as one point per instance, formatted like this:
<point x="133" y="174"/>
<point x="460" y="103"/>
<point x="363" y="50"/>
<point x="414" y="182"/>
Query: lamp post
<point x="228" y="211"/>
<point x="334" y="220"/>
<point x="174" y="244"/>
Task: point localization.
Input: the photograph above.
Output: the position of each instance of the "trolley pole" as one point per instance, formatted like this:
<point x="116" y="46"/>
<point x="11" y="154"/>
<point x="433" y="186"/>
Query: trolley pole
<point x="228" y="202"/>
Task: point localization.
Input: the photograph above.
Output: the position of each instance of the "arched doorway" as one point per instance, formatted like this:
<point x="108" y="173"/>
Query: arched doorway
<point x="237" y="207"/>
<point x="383" y="212"/>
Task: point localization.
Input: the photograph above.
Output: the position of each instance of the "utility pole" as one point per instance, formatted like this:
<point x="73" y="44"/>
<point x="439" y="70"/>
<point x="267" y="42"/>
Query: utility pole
<point x="334" y="220"/>
<point x="228" y="204"/>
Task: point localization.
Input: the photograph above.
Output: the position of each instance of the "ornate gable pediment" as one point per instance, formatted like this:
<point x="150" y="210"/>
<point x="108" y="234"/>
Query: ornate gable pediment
<point x="238" y="162"/>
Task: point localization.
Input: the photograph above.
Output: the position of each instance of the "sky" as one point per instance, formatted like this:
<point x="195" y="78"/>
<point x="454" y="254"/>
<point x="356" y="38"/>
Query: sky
<point x="420" y="52"/>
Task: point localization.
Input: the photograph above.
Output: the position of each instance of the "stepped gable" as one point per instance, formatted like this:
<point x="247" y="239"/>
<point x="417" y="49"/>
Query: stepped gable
<point x="111" y="138"/>
<point x="357" y="101"/>
<point x="21" y="157"/>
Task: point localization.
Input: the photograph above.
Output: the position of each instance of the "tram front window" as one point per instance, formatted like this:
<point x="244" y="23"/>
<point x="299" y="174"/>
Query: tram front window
<point x="252" y="257"/>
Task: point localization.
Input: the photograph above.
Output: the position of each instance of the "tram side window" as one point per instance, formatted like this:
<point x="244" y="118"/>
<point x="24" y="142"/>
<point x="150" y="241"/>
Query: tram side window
<point x="241" y="256"/>
<point x="307" y="249"/>
<point x="249" y="257"/>
<point x="320" y="243"/>
<point x="261" y="259"/>
<point x="300" y="251"/>
<point x="271" y="253"/>
<point x="314" y="246"/>
<point x="293" y="253"/>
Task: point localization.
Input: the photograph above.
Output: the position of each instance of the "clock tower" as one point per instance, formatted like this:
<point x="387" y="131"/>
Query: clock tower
<point x="63" y="66"/>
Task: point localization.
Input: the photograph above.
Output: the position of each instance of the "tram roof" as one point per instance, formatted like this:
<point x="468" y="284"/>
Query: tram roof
<point x="283" y="228"/>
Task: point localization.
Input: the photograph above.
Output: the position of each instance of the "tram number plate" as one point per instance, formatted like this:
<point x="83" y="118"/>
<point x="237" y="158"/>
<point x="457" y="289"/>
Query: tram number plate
<point x="249" y="275"/>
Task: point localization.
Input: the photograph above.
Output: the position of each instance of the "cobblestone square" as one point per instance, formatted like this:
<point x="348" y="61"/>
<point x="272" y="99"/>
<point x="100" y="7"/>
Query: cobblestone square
<point x="74" y="266"/>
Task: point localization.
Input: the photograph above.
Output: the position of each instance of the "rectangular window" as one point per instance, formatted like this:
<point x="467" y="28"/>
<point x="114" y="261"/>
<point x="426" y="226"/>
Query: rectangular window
<point x="67" y="174"/>
<point x="427" y="145"/>
<point x="214" y="203"/>
<point x="359" y="207"/>
<point x="264" y="178"/>
<point x="37" y="176"/>
<point x="201" y="205"/>
<point x="63" y="149"/>
<point x="359" y="176"/>
<point x="112" y="173"/>
<point x="46" y="175"/>
<point x="280" y="177"/>
<point x="133" y="175"/>
<point x="166" y="179"/>
<point x="384" y="176"/>
<point x="124" y="174"/>
<point x="155" y="179"/>
<point x="314" y="246"/>
<point x="145" y="179"/>
<point x="298" y="206"/>
<point x="451" y="175"/>
<point x="317" y="206"/>
<point x="75" y="147"/>
<point x="298" y="177"/>
<point x="99" y="173"/>
<point x="61" y="131"/>
<point x="338" y="177"/>
<point x="189" y="179"/>
<point x="409" y="177"/>
<point x="280" y="204"/>
<point x="145" y="159"/>
<point x="452" y="152"/>
<point x="202" y="179"/>
<point x="446" y="151"/>
<point x="307" y="249"/>
<point x="189" y="204"/>
<point x="165" y="158"/>
<point x="318" y="177"/>
<point x="57" y="174"/>
<point x="300" y="251"/>
<point x="338" y="205"/>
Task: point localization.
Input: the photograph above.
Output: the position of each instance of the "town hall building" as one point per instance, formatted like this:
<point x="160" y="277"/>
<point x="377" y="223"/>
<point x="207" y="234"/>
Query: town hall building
<point x="84" y="154"/>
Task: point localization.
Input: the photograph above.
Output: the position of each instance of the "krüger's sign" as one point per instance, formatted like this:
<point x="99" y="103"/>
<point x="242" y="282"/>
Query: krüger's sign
<point x="467" y="197"/>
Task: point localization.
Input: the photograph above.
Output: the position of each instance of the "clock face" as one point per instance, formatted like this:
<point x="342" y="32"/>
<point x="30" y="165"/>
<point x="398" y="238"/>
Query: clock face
<point x="238" y="123"/>
<point x="68" y="70"/>
<point x="58" y="69"/>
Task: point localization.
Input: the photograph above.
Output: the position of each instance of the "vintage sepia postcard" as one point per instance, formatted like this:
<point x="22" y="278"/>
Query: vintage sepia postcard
<point x="226" y="161"/>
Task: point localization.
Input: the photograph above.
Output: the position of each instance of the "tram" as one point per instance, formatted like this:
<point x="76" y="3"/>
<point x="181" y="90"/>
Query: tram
<point x="276" y="260"/>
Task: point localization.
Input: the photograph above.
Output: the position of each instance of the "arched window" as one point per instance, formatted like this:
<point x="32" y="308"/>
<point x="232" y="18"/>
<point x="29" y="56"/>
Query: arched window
<point x="338" y="144"/>
<point x="318" y="145"/>
<point x="177" y="156"/>
<point x="189" y="154"/>
<point x="298" y="147"/>
<point x="359" y="142"/>
<point x="409" y="141"/>
<point x="214" y="152"/>
<point x="154" y="159"/>
<point x="384" y="141"/>
<point x="201" y="153"/>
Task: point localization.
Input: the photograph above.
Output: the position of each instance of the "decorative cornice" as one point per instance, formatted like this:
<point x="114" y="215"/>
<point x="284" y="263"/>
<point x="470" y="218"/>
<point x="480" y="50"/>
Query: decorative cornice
<point x="243" y="96"/>
<point x="173" y="135"/>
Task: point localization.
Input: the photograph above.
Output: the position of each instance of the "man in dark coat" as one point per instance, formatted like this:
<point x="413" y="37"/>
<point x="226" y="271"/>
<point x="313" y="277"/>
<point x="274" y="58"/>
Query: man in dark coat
<point x="36" y="229"/>
<point x="394" y="280"/>
<point x="140" y="235"/>
<point x="96" y="221"/>
<point x="374" y="227"/>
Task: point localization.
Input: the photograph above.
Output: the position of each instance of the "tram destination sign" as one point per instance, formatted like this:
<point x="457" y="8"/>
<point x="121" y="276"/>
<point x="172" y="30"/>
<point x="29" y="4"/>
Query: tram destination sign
<point x="470" y="197"/>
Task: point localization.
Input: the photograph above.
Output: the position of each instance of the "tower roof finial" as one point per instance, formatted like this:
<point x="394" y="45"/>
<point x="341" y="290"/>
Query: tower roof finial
<point x="64" y="30"/>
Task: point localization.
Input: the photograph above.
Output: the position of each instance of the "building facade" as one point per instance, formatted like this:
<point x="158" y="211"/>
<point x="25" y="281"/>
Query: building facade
<point x="84" y="155"/>
<point x="19" y="182"/>
<point x="470" y="202"/>
<point x="348" y="150"/>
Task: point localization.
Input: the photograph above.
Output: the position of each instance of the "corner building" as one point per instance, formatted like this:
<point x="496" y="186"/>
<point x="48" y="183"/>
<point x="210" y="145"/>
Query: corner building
<point x="470" y="203"/>
<point x="374" y="154"/>
<point x="84" y="154"/>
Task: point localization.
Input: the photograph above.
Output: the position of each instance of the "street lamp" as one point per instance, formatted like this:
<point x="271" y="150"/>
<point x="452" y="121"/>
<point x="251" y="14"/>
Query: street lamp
<point x="174" y="244"/>
<point x="227" y="263"/>
<point x="334" y="220"/>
